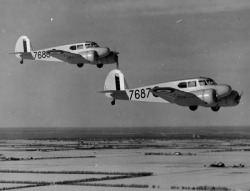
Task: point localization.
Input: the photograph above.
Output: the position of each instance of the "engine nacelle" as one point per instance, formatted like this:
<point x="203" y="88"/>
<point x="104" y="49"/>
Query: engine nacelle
<point x="109" y="59"/>
<point x="209" y="96"/>
<point x="90" y="56"/>
<point x="232" y="99"/>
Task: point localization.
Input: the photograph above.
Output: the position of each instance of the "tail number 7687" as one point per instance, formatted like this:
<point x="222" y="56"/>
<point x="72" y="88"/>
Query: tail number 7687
<point x="139" y="93"/>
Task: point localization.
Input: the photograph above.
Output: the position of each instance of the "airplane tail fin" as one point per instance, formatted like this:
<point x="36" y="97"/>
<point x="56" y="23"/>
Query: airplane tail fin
<point x="23" y="45"/>
<point x="115" y="81"/>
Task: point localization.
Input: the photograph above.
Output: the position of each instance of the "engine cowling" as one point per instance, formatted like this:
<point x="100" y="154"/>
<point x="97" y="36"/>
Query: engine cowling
<point x="209" y="96"/>
<point x="232" y="99"/>
<point x="90" y="56"/>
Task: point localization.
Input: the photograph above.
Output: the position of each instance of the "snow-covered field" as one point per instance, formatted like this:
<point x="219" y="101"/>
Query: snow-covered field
<point x="168" y="170"/>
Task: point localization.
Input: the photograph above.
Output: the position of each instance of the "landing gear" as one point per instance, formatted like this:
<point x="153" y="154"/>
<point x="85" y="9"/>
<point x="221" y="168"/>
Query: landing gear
<point x="21" y="62"/>
<point x="113" y="102"/>
<point x="80" y="65"/>
<point x="193" y="107"/>
<point x="99" y="65"/>
<point x="216" y="108"/>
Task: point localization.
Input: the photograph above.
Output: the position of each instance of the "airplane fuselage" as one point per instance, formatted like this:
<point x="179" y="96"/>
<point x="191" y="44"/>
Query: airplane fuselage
<point x="79" y="53"/>
<point x="144" y="94"/>
<point x="189" y="92"/>
<point x="79" y="48"/>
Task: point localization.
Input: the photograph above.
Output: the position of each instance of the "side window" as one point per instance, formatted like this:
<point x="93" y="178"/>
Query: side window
<point x="192" y="84"/>
<point x="80" y="46"/>
<point x="202" y="82"/>
<point x="72" y="47"/>
<point x="182" y="85"/>
<point x="87" y="45"/>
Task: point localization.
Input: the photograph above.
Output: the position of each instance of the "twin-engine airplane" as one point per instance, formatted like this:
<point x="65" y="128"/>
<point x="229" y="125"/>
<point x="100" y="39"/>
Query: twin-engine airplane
<point x="190" y="92"/>
<point x="79" y="53"/>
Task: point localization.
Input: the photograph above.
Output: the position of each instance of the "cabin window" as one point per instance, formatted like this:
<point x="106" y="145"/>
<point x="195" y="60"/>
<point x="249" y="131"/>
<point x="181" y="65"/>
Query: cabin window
<point x="182" y="85"/>
<point x="79" y="46"/>
<point x="94" y="44"/>
<point x="73" y="47"/>
<point x="211" y="82"/>
<point x="202" y="82"/>
<point x="192" y="84"/>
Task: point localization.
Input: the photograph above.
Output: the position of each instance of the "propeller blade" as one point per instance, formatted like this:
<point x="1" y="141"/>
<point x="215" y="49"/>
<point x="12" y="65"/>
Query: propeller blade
<point x="117" y="60"/>
<point x="242" y="93"/>
<point x="239" y="96"/>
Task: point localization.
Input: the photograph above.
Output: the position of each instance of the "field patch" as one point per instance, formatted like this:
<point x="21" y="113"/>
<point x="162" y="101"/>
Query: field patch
<point x="80" y="178"/>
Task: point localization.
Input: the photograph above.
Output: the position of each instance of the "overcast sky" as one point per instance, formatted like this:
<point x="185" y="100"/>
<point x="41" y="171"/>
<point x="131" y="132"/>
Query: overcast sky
<point x="158" y="41"/>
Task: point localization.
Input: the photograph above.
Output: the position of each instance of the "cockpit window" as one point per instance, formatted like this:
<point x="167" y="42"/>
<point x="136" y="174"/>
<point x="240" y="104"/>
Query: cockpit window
<point x="72" y="47"/>
<point x="91" y="45"/>
<point x="80" y="46"/>
<point x="182" y="85"/>
<point x="94" y="44"/>
<point x="211" y="82"/>
<point x="191" y="84"/>
<point x="202" y="82"/>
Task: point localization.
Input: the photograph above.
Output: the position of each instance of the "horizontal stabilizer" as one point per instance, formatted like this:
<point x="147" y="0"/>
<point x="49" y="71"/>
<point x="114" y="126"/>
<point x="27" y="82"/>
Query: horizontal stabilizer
<point x="16" y="52"/>
<point x="24" y="55"/>
<point x="116" y="94"/>
<point x="107" y="91"/>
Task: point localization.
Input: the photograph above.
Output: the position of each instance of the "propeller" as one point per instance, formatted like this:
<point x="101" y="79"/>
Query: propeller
<point x="242" y="93"/>
<point x="238" y="98"/>
<point x="117" y="59"/>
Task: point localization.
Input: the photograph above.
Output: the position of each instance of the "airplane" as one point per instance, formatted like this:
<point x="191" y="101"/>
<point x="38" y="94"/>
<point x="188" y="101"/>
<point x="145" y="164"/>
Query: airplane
<point x="79" y="53"/>
<point x="190" y="93"/>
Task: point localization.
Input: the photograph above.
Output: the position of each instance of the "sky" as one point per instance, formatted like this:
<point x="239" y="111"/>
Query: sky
<point x="158" y="41"/>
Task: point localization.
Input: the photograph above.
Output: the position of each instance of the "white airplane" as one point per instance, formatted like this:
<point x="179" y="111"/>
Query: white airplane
<point x="188" y="93"/>
<point x="79" y="53"/>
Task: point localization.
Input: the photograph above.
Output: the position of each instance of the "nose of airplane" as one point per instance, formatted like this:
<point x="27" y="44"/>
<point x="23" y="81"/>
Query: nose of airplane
<point x="102" y="52"/>
<point x="223" y="90"/>
<point x="237" y="97"/>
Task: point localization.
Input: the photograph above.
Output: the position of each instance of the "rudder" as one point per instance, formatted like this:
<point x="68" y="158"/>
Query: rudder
<point x="23" y="45"/>
<point x="114" y="81"/>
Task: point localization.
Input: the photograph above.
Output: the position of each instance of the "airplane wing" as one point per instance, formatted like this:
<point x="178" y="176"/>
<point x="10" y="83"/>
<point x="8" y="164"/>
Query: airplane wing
<point x="177" y="96"/>
<point x="67" y="56"/>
